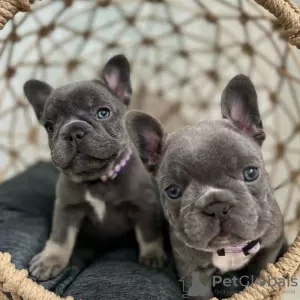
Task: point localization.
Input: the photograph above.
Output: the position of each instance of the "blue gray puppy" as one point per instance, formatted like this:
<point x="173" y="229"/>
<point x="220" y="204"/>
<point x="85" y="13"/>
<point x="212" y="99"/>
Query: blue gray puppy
<point x="103" y="183"/>
<point x="216" y="193"/>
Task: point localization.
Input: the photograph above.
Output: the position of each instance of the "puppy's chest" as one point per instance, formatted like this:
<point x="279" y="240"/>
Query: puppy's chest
<point x="97" y="204"/>
<point x="231" y="261"/>
<point x="103" y="213"/>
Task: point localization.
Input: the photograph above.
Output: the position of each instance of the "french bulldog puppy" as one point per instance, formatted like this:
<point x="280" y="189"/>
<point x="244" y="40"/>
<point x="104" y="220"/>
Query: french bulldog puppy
<point x="215" y="190"/>
<point x="102" y="179"/>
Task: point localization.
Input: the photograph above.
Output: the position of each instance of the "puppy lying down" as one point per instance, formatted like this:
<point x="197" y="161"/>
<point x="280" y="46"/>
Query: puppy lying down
<point x="216" y="193"/>
<point x="103" y="181"/>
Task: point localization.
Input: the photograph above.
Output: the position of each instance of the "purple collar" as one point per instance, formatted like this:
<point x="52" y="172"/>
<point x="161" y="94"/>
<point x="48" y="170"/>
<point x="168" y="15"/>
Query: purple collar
<point x="249" y="247"/>
<point x="116" y="166"/>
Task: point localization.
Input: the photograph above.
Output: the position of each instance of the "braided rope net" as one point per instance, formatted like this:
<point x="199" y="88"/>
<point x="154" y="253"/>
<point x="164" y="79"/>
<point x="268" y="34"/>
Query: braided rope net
<point x="183" y="52"/>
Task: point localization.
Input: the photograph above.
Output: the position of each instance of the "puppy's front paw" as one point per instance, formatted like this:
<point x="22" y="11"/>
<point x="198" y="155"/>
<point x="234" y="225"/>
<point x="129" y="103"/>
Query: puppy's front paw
<point x="152" y="254"/>
<point x="153" y="259"/>
<point x="47" y="265"/>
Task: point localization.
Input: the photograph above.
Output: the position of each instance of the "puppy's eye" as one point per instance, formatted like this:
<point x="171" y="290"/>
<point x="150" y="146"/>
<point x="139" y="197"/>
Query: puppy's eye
<point x="173" y="191"/>
<point x="103" y="113"/>
<point x="250" y="174"/>
<point x="49" y="126"/>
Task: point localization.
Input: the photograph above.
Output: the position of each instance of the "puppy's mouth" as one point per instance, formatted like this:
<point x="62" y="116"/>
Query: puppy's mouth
<point x="225" y="239"/>
<point x="229" y="241"/>
<point x="84" y="164"/>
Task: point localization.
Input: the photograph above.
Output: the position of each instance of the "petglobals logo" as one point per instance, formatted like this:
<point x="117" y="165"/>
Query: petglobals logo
<point x="244" y="281"/>
<point x="280" y="282"/>
<point x="200" y="285"/>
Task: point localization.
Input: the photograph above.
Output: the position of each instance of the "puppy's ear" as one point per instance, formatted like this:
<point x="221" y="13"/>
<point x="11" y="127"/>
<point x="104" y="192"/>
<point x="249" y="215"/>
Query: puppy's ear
<point x="116" y="75"/>
<point x="239" y="104"/>
<point x="37" y="93"/>
<point x="147" y="135"/>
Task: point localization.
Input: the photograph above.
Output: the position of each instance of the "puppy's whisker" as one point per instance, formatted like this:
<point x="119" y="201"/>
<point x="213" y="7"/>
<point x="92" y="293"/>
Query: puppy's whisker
<point x="182" y="209"/>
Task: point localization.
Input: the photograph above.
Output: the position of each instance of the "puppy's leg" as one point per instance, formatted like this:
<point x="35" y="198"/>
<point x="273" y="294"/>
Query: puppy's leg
<point x="194" y="271"/>
<point x="151" y="250"/>
<point x="59" y="247"/>
<point x="150" y="240"/>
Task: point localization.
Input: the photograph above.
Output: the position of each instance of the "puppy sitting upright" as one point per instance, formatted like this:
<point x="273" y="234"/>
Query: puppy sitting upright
<point x="102" y="177"/>
<point x="215" y="190"/>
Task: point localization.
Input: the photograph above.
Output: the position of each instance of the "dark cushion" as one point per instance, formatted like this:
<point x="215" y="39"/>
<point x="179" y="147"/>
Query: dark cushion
<point x="26" y="205"/>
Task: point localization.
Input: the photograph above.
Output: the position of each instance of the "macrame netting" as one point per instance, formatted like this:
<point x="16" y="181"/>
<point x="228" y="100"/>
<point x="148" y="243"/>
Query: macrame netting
<point x="281" y="32"/>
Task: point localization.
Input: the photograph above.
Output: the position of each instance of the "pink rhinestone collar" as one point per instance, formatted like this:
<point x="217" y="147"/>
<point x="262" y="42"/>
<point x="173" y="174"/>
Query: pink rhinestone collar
<point x="249" y="247"/>
<point x="116" y="166"/>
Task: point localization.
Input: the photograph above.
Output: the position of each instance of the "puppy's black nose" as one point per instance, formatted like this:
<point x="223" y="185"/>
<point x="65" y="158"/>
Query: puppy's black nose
<point x="217" y="210"/>
<point x="74" y="131"/>
<point x="75" y="135"/>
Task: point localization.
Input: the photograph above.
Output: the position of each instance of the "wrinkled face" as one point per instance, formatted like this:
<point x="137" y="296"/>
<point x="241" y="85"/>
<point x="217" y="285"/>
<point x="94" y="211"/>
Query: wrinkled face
<point x="211" y="176"/>
<point x="85" y="127"/>
<point x="85" y="120"/>
<point x="214" y="186"/>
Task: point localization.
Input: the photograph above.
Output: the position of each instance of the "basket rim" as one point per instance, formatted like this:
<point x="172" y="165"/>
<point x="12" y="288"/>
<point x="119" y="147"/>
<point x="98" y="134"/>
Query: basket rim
<point x="17" y="282"/>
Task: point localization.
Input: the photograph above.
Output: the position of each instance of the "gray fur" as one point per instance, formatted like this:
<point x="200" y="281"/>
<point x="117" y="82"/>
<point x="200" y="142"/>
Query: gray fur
<point x="206" y="161"/>
<point x="85" y="148"/>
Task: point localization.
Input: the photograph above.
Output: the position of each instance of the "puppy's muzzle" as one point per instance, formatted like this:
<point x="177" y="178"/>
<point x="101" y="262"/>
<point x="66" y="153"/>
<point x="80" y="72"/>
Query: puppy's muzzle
<point x="217" y="210"/>
<point x="216" y="204"/>
<point x="74" y="131"/>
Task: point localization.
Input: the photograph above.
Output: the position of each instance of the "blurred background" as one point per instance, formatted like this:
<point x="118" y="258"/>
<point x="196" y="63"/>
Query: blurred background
<point x="183" y="52"/>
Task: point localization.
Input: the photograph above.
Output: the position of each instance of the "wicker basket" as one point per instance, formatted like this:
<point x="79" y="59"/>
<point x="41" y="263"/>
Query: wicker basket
<point x="172" y="94"/>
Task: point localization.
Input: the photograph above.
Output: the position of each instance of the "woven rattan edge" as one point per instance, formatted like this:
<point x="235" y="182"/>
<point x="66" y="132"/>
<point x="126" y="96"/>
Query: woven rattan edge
<point x="17" y="283"/>
<point x="288" y="16"/>
<point x="9" y="8"/>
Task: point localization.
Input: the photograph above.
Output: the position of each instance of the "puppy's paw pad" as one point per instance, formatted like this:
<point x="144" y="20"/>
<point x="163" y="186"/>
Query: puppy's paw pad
<point x="44" y="267"/>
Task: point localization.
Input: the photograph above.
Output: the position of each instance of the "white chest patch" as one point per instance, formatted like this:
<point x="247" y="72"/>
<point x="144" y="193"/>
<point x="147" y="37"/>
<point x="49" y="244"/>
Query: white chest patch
<point x="231" y="261"/>
<point x="97" y="204"/>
